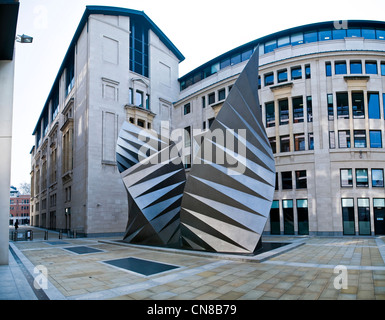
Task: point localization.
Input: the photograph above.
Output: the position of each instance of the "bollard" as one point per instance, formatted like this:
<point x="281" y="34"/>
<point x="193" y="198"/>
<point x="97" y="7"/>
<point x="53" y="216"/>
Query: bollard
<point x="46" y="235"/>
<point x="60" y="234"/>
<point x="74" y="234"/>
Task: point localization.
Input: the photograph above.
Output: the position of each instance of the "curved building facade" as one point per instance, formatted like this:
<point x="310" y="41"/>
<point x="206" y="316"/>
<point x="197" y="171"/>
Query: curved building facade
<point x="322" y="95"/>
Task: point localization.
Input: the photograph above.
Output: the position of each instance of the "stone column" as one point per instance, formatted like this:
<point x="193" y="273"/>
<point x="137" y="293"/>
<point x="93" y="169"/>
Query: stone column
<point x="6" y="106"/>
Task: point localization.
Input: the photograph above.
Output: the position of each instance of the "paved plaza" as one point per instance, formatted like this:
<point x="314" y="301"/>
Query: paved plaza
<point x="308" y="268"/>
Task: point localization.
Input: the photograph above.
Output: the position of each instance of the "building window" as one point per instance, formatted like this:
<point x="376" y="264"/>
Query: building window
<point x="285" y="143"/>
<point x="348" y="216"/>
<point x="324" y="35"/>
<point x="340" y="67"/>
<point x="211" y="98"/>
<point x="299" y="142"/>
<point x="300" y="179"/>
<point x="270" y="46"/>
<point x="339" y="34"/>
<point x="309" y="106"/>
<point x="358" y="105"/>
<point x="383" y="68"/>
<point x="211" y="120"/>
<point x="328" y="69"/>
<point x="363" y="216"/>
<point x="273" y="144"/>
<point x="282" y="75"/>
<point x="359" y="139"/>
<point x="221" y="94"/>
<point x="283" y="112"/>
<point x="344" y="139"/>
<point x="269" y="79"/>
<point x="296" y="73"/>
<point x="70" y="74"/>
<point x="274" y="218"/>
<point x="355" y="67"/>
<point x="373" y="105"/>
<point x="130" y="96"/>
<point x="139" y="98"/>
<point x="298" y="110"/>
<point x="187" y="108"/>
<point x="203" y="102"/>
<point x="362" y="178"/>
<point x="187" y="137"/>
<point x="307" y="71"/>
<point x="310" y="36"/>
<point x="270" y="114"/>
<point x="375" y="138"/>
<point x="346" y="178"/>
<point x="138" y="47"/>
<point x="288" y="217"/>
<point x="371" y="67"/>
<point x="140" y="123"/>
<point x="287" y="183"/>
<point x="311" y="141"/>
<point x="330" y="106"/>
<point x="378" y="178"/>
<point x="342" y="105"/>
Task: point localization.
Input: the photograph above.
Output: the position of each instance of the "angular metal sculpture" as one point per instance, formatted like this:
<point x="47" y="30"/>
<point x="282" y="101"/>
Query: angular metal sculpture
<point x="154" y="186"/>
<point x="224" y="204"/>
<point x="227" y="201"/>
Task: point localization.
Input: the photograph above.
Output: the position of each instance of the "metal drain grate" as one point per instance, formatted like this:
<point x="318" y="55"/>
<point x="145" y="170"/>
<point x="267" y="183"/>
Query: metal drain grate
<point x="143" y="267"/>
<point x="54" y="243"/>
<point x="83" y="250"/>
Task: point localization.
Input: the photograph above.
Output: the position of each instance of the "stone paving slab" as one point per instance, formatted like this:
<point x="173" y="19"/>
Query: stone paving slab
<point x="305" y="272"/>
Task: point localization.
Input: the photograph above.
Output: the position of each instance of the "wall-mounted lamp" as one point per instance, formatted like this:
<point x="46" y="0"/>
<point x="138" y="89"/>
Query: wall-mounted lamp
<point x="24" y="38"/>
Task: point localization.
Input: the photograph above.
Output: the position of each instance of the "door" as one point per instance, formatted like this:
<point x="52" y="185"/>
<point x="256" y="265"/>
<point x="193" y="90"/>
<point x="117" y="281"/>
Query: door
<point x="274" y="218"/>
<point x="379" y="216"/>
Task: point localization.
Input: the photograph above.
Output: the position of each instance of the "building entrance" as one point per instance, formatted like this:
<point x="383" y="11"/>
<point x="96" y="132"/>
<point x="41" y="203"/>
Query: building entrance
<point x="379" y="216"/>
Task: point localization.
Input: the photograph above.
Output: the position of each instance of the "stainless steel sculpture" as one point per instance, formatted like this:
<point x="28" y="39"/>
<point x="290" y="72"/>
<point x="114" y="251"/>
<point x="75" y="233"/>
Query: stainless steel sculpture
<point x="224" y="203"/>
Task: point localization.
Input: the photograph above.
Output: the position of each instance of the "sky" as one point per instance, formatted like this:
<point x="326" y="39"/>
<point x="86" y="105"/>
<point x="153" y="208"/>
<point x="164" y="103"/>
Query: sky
<point x="200" y="29"/>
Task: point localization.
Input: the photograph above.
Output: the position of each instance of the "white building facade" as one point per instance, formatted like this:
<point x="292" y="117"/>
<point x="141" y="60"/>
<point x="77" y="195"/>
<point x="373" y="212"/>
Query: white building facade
<point x="322" y="95"/>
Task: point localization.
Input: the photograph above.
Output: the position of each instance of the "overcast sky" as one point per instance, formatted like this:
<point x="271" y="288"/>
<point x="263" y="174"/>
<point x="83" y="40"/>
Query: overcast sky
<point x="200" y="29"/>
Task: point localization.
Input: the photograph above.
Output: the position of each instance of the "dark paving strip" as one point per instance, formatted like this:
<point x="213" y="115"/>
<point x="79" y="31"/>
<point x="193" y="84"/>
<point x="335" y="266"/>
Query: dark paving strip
<point x="40" y="294"/>
<point x="141" y="266"/>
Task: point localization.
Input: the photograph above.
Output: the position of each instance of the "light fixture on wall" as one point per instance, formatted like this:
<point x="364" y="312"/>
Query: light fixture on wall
<point x="24" y="38"/>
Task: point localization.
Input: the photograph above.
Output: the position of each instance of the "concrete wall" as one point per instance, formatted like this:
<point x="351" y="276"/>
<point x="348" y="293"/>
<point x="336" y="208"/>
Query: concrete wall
<point x="6" y="108"/>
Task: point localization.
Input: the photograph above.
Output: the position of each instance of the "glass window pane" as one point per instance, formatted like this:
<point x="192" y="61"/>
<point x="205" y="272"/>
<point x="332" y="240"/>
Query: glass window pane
<point x="346" y="178"/>
<point x="270" y="114"/>
<point x="283" y="112"/>
<point x="375" y="139"/>
<point x="374" y="105"/>
<point x="368" y="33"/>
<point x="358" y="105"/>
<point x="378" y="178"/>
<point x="298" y="110"/>
<point x="225" y="63"/>
<point x="348" y="217"/>
<point x="324" y="35"/>
<point x="330" y="106"/>
<point x="270" y="46"/>
<point x="310" y="36"/>
<point x="354" y="32"/>
<point x="311" y="140"/>
<point x="344" y="139"/>
<point x="285" y="143"/>
<point x="300" y="179"/>
<point x="355" y="67"/>
<point x="296" y="73"/>
<point x="287" y="183"/>
<point x="309" y="106"/>
<point x="299" y="142"/>
<point x="287" y="204"/>
<point x="284" y="41"/>
<point x="282" y="75"/>
<point x="247" y="54"/>
<point x="362" y="177"/>
<point x="236" y="59"/>
<point x="339" y="33"/>
<point x="328" y="68"/>
<point x="359" y="139"/>
<point x="340" y="67"/>
<point x="380" y="34"/>
<point x="296" y="39"/>
<point x="269" y="79"/>
<point x="371" y="67"/>
<point x="363" y="216"/>
<point x="342" y="105"/>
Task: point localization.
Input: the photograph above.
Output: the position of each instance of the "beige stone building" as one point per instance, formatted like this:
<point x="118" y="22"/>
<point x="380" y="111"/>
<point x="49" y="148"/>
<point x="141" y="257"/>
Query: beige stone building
<point x="322" y="95"/>
<point x="119" y="66"/>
